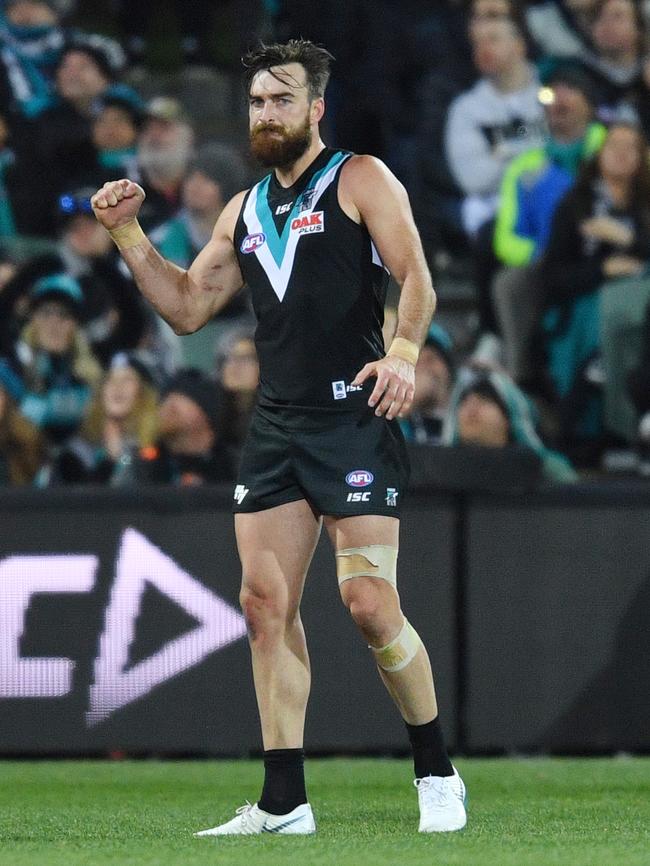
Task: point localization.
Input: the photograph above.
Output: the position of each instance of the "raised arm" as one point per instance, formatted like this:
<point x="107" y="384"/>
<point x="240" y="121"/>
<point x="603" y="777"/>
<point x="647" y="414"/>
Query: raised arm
<point x="371" y="194"/>
<point x="185" y="299"/>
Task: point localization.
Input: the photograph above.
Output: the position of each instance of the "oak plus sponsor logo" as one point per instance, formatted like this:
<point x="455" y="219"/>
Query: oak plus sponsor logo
<point x="309" y="223"/>
<point x="359" y="478"/>
<point x="252" y="242"/>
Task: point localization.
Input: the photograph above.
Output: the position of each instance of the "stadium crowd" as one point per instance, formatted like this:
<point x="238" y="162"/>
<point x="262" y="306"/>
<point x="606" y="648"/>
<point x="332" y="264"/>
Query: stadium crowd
<point x="520" y="131"/>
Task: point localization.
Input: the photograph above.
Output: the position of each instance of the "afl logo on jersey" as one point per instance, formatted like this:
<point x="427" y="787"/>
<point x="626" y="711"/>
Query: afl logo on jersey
<point x="309" y="223"/>
<point x="252" y="242"/>
<point x="359" y="478"/>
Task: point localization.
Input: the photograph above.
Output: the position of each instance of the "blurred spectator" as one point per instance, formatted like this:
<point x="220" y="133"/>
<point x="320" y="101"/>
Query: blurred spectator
<point x="532" y="186"/>
<point x="111" y="313"/>
<point x="617" y="35"/>
<point x="89" y="66"/>
<point x="451" y="71"/>
<point x="494" y="121"/>
<point x="489" y="410"/>
<point x="560" y="27"/>
<point x="238" y="373"/>
<point x="214" y="176"/>
<point x="434" y="378"/>
<point x="485" y="10"/>
<point x="189" y="450"/>
<point x="115" y="126"/>
<point x="165" y="148"/>
<point x="22" y="178"/>
<point x="32" y="38"/>
<point x="600" y="238"/>
<point x="121" y="420"/>
<point x="21" y="444"/>
<point x="52" y="372"/>
<point x="487" y="127"/>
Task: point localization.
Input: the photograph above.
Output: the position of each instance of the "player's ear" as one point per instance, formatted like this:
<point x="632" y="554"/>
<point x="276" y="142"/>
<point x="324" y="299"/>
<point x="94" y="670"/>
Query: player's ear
<point x="317" y="109"/>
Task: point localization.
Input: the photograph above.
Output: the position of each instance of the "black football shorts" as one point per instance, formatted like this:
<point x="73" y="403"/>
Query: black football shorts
<point x="343" y="463"/>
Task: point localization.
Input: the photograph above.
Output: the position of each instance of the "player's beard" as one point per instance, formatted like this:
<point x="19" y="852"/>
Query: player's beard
<point x="279" y="152"/>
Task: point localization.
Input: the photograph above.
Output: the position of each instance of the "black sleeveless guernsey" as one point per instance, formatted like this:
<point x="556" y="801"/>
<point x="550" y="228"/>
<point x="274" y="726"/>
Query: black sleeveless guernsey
<point x="318" y="288"/>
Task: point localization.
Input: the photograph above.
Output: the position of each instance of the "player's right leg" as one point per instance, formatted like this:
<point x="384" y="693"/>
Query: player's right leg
<point x="275" y="547"/>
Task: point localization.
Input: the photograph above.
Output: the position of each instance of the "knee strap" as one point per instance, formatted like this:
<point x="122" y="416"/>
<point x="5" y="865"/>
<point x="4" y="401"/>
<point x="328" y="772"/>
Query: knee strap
<point x="375" y="560"/>
<point x="400" y="651"/>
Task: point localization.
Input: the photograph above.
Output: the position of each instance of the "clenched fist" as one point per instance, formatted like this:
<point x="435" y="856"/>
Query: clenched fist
<point x="117" y="203"/>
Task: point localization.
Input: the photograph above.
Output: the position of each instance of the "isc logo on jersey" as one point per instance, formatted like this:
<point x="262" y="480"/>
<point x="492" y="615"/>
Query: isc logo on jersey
<point x="252" y="242"/>
<point x="309" y="223"/>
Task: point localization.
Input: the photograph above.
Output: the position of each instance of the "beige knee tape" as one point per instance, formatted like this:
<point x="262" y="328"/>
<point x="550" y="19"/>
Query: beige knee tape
<point x="400" y="651"/>
<point x="375" y="560"/>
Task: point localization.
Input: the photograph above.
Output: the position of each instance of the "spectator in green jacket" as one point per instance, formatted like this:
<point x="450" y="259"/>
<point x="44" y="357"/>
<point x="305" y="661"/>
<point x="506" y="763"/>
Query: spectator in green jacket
<point x="533" y="185"/>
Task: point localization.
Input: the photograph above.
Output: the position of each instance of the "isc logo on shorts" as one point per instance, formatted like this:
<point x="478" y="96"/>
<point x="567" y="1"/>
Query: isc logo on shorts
<point x="309" y="223"/>
<point x="359" y="478"/>
<point x="359" y="496"/>
<point x="252" y="242"/>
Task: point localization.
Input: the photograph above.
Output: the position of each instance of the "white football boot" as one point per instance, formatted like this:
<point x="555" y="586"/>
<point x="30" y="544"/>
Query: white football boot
<point x="442" y="803"/>
<point x="250" y="820"/>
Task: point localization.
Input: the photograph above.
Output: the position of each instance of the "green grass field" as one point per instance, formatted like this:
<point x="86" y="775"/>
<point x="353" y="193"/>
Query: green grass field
<point x="536" y="811"/>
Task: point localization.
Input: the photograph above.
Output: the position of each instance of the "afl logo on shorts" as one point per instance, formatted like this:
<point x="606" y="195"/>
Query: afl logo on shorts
<point x="359" y="478"/>
<point x="252" y="242"/>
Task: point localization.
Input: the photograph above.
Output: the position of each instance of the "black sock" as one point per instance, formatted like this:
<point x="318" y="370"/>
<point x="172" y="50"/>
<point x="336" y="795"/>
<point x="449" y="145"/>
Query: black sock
<point x="429" y="753"/>
<point x="284" y="781"/>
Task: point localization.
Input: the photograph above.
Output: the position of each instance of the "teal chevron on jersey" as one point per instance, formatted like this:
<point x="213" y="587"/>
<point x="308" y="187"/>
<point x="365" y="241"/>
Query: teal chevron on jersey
<point x="278" y="243"/>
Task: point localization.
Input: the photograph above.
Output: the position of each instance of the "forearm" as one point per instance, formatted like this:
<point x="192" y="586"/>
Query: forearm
<point x="416" y="306"/>
<point x="163" y="284"/>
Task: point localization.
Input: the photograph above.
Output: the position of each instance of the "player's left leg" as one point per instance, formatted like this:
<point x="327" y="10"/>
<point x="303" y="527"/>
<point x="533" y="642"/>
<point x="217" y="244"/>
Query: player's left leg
<point x="368" y="589"/>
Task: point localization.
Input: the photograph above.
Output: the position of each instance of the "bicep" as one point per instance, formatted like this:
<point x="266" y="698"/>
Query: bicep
<point x="384" y="208"/>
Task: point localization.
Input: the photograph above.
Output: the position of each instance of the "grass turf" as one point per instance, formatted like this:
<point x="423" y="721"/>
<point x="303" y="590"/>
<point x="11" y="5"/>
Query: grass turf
<point x="521" y="813"/>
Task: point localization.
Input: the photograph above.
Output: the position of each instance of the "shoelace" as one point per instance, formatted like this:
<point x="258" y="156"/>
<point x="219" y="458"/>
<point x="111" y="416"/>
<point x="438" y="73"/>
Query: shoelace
<point x="243" y="811"/>
<point x="433" y="790"/>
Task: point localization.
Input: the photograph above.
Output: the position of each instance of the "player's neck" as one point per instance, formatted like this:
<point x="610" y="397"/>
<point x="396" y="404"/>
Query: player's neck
<point x="288" y="176"/>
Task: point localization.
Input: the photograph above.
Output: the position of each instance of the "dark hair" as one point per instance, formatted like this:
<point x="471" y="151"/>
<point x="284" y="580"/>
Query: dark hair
<point x="315" y="60"/>
<point x="596" y="11"/>
<point x="589" y="174"/>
